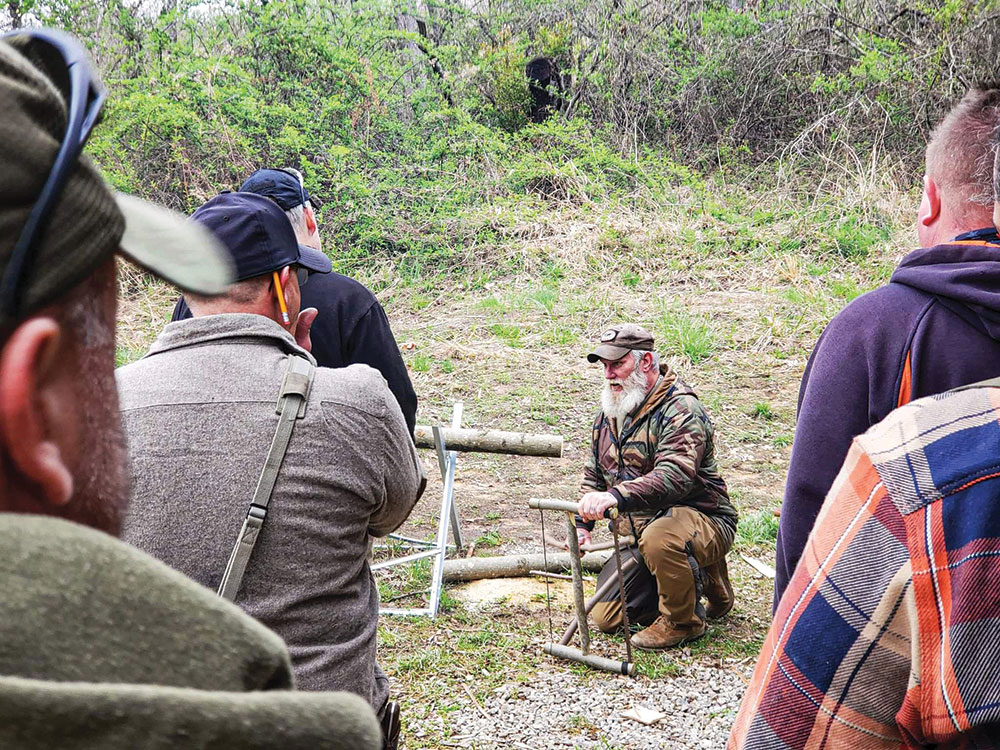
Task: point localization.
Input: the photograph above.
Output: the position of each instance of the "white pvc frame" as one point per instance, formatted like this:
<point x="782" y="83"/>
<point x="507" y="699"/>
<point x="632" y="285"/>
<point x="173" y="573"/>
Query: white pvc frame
<point x="438" y="549"/>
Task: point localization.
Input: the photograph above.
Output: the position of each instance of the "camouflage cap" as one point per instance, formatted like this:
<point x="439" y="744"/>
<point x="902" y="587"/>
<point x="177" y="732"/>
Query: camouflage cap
<point x="619" y="340"/>
<point x="88" y="222"/>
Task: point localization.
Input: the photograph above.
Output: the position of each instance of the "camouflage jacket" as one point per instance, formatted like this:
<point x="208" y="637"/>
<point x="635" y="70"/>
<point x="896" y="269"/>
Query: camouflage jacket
<point x="665" y="456"/>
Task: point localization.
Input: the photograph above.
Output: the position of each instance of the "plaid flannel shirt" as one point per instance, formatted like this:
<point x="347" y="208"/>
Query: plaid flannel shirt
<point x="888" y="635"/>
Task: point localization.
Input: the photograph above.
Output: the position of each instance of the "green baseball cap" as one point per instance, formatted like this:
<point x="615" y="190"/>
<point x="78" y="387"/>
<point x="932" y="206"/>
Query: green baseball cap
<point x="89" y="222"/>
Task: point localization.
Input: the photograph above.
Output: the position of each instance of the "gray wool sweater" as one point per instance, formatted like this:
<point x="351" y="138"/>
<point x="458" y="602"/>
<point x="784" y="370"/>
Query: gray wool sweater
<point x="103" y="647"/>
<point x="199" y="414"/>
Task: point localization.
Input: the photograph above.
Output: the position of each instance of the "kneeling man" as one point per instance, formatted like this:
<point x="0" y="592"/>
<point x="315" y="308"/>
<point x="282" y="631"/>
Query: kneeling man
<point x="652" y="457"/>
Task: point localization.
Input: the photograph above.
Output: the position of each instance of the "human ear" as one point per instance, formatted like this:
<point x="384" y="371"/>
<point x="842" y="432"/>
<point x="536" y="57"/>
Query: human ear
<point x="310" y="219"/>
<point x="32" y="405"/>
<point x="930" y="203"/>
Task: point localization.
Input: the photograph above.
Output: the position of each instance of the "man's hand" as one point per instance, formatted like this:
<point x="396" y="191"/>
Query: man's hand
<point x="302" y="325"/>
<point x="593" y="504"/>
<point x="582" y="537"/>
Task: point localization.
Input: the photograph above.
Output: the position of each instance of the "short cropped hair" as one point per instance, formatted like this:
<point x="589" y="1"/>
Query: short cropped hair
<point x="243" y="292"/>
<point x="961" y="149"/>
<point x="638" y="355"/>
<point x="297" y="214"/>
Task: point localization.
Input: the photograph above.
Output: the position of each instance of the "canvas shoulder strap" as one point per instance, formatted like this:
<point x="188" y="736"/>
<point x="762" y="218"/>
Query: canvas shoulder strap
<point x="291" y="407"/>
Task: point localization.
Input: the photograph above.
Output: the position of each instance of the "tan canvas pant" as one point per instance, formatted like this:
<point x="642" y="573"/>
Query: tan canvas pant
<point x="673" y="549"/>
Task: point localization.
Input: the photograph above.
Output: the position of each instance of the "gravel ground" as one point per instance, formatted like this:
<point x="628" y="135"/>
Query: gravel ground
<point x="561" y="709"/>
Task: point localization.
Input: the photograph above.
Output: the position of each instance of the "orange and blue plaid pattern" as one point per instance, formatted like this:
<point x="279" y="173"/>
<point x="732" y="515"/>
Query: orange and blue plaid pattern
<point x="888" y="635"/>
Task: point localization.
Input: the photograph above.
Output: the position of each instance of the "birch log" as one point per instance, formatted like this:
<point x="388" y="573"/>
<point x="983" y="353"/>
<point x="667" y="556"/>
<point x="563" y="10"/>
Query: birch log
<point x="491" y="441"/>
<point x="516" y="566"/>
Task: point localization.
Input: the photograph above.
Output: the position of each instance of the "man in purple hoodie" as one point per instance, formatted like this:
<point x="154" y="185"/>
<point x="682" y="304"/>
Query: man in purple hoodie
<point x="934" y="327"/>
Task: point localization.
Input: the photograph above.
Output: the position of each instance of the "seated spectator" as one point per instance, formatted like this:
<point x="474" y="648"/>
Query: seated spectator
<point x="199" y="412"/>
<point x="351" y="327"/>
<point x="103" y="646"/>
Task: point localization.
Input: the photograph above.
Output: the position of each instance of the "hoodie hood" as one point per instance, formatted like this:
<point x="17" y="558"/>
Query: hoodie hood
<point x="668" y="378"/>
<point x="964" y="276"/>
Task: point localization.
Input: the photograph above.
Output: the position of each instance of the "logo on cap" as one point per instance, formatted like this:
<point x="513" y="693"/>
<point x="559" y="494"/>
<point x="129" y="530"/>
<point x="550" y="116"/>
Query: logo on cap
<point x="609" y="335"/>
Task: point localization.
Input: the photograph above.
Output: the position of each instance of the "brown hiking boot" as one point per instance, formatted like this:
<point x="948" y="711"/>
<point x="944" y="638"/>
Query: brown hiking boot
<point x="663" y="634"/>
<point x="718" y="590"/>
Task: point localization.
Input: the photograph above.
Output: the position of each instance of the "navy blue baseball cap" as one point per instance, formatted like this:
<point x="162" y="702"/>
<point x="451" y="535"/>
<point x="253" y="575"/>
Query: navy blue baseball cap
<point x="280" y="186"/>
<point x="257" y="234"/>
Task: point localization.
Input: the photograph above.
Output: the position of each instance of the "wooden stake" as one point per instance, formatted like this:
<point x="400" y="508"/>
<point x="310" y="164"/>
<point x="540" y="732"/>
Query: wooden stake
<point x="581" y="608"/>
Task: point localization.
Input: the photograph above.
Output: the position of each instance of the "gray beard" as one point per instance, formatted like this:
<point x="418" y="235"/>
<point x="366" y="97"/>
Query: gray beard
<point x="617" y="406"/>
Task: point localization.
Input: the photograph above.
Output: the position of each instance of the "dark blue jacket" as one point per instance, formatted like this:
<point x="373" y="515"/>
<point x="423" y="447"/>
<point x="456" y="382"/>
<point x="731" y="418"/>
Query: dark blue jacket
<point x="351" y="328"/>
<point x="934" y="327"/>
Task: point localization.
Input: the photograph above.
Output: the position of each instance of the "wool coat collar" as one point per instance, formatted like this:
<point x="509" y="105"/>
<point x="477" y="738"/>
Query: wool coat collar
<point x="245" y="327"/>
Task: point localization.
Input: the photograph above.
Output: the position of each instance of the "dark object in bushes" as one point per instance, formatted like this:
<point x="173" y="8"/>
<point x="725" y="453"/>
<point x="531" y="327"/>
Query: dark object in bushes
<point x="545" y="85"/>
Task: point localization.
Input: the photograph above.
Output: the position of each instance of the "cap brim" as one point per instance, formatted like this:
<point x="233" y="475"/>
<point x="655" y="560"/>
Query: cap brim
<point x="167" y="245"/>
<point x="313" y="260"/>
<point x="608" y="352"/>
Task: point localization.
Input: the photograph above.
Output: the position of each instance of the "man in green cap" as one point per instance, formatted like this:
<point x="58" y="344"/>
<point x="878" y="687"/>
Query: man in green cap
<point x="653" y="458"/>
<point x="103" y="646"/>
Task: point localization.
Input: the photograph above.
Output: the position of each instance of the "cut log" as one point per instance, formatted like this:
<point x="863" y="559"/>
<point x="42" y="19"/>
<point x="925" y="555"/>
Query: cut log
<point x="491" y="441"/>
<point x="516" y="566"/>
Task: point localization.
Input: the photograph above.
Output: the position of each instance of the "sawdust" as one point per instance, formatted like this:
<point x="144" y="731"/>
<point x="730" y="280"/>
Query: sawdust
<point x="526" y="591"/>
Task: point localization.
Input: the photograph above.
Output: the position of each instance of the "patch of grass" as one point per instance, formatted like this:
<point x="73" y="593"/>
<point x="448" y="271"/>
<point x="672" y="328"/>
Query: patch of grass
<point x="491" y="304"/>
<point x="560" y="336"/>
<point x="686" y="334"/>
<point x="845" y="289"/>
<point x="447" y="602"/>
<point x="853" y="238"/>
<point x="421" y="362"/>
<point x="758" y="529"/>
<point x="615" y="241"/>
<point x="783" y="440"/>
<point x="656" y="666"/>
<point x="762" y="410"/>
<point x="493" y="515"/>
<point x="545" y="298"/>
<point x="126" y="355"/>
<point x="545" y="416"/>
<point x="491" y="538"/>
<point x="509" y="333"/>
<point x="447" y="366"/>
<point x="420" y="301"/>
<point x="578" y="724"/>
<point x="722" y="640"/>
